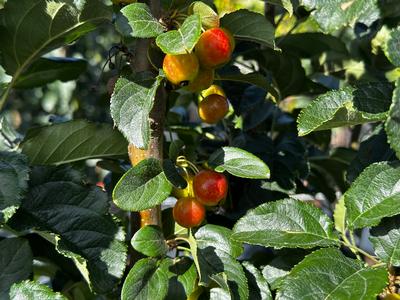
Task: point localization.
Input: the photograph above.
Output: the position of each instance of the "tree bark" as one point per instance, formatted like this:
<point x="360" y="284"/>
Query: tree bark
<point x="140" y="63"/>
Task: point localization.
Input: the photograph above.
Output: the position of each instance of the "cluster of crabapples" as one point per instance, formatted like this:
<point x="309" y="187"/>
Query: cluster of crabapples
<point x="206" y="188"/>
<point x="195" y="71"/>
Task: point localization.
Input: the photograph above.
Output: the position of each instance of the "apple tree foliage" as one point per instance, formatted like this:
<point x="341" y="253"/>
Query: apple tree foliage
<point x="311" y="149"/>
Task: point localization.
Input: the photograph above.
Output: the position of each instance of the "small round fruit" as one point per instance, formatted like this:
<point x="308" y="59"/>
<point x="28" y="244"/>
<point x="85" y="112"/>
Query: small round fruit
<point x="210" y="187"/>
<point x="392" y="297"/>
<point x="187" y="191"/>
<point x="188" y="212"/>
<point x="213" y="108"/>
<point x="213" y="89"/>
<point x="181" y="69"/>
<point x="214" y="47"/>
<point x="203" y="80"/>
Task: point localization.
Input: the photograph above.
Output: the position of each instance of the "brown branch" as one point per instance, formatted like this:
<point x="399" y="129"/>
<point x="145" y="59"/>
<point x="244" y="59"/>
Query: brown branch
<point x="139" y="63"/>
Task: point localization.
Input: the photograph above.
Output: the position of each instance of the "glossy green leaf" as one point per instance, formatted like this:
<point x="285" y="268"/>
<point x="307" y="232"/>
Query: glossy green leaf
<point x="14" y="175"/>
<point x="9" y="137"/>
<point x="393" y="47"/>
<point x="239" y="163"/>
<point x="175" y="149"/>
<point x="67" y="142"/>
<point x="182" y="279"/>
<point x="392" y="124"/>
<point x="60" y="23"/>
<point x="148" y="279"/>
<point x="385" y="238"/>
<point x="276" y="270"/>
<point x="250" y="26"/>
<point x="209" y="18"/>
<point x="131" y="104"/>
<point x="149" y="240"/>
<point x="286" y="69"/>
<point x="183" y="39"/>
<point x="310" y="44"/>
<point x="286" y="223"/>
<point x="367" y="155"/>
<point x="339" y="216"/>
<point x="15" y="263"/>
<point x="258" y="285"/>
<point x="332" y="15"/>
<point x="254" y="78"/>
<point x="373" y="195"/>
<point x="49" y="69"/>
<point x="137" y="21"/>
<point x="76" y="214"/>
<point x="142" y="187"/>
<point x="343" y="108"/>
<point x="286" y="4"/>
<point x="215" y="253"/>
<point x="172" y="174"/>
<point x="27" y="290"/>
<point x="328" y="274"/>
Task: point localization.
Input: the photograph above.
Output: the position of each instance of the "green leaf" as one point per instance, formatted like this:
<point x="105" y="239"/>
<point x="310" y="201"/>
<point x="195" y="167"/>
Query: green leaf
<point x="393" y="47"/>
<point x="339" y="215"/>
<point x="239" y="163"/>
<point x="150" y="241"/>
<point x="373" y="195"/>
<point x="258" y="285"/>
<point x="175" y="149"/>
<point x="183" y="39"/>
<point x="254" y="78"/>
<point x="328" y="274"/>
<point x="131" y="104"/>
<point x="392" y="124"/>
<point x="215" y="253"/>
<point x="310" y="44"/>
<point x="14" y="175"/>
<point x="367" y="153"/>
<point x="9" y="137"/>
<point x="189" y="279"/>
<point x="46" y="70"/>
<point x="332" y="15"/>
<point x="250" y="26"/>
<point x="60" y="23"/>
<point x="67" y="142"/>
<point x="385" y="239"/>
<point x="209" y="18"/>
<point x="276" y="270"/>
<point x="76" y="214"/>
<point x="137" y="21"/>
<point x="173" y="175"/>
<point x="15" y="264"/>
<point x="339" y="108"/>
<point x="148" y="279"/>
<point x="286" y="4"/>
<point x="142" y="187"/>
<point x="182" y="279"/>
<point x="286" y="223"/>
<point x="286" y="70"/>
<point x="27" y="290"/>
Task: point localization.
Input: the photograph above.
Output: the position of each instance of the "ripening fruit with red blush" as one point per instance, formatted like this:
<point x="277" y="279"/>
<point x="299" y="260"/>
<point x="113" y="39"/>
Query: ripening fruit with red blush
<point x="214" y="48"/>
<point x="181" y="69"/>
<point x="188" y="212"/>
<point x="210" y="187"/>
<point x="203" y="80"/>
<point x="213" y="108"/>
<point x="392" y="297"/>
